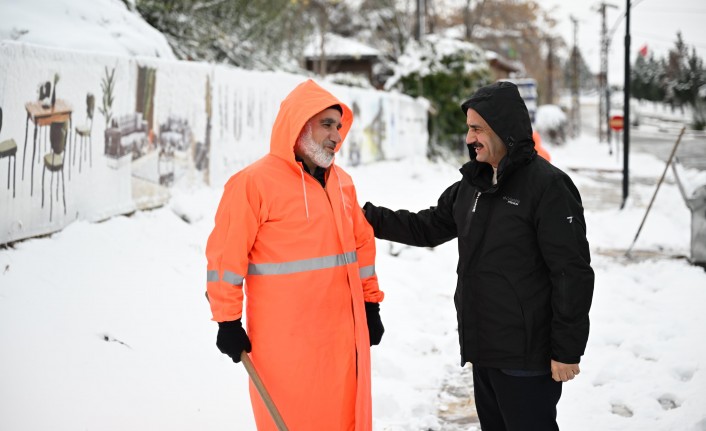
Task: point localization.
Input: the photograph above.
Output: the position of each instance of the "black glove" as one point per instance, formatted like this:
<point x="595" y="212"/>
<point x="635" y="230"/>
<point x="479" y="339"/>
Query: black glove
<point x="375" y="328"/>
<point x="232" y="339"/>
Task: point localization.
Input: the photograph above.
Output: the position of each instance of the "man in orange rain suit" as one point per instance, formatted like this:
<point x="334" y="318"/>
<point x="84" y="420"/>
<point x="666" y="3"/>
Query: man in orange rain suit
<point x="290" y="236"/>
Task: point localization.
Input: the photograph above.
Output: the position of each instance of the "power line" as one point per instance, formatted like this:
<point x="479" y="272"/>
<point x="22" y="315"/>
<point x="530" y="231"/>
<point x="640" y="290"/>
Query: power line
<point x="689" y="11"/>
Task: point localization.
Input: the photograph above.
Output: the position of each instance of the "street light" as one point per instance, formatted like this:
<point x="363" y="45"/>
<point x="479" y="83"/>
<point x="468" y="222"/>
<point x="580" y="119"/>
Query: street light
<point x="626" y="95"/>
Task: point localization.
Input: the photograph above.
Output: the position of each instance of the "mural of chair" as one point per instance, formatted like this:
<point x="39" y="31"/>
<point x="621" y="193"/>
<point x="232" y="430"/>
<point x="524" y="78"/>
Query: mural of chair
<point x="54" y="162"/>
<point x="165" y="166"/>
<point x="174" y="135"/>
<point x="84" y="133"/>
<point x="8" y="148"/>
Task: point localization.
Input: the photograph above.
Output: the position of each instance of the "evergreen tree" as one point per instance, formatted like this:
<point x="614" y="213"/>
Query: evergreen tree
<point x="678" y="80"/>
<point x="587" y="80"/>
<point x="692" y="78"/>
<point x="445" y="72"/>
<point x="637" y="78"/>
<point x="693" y="88"/>
<point x="647" y="76"/>
<point x="675" y="71"/>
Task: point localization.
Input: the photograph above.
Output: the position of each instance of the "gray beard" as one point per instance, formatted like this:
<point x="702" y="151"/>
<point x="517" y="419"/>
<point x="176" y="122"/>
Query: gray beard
<point x="315" y="152"/>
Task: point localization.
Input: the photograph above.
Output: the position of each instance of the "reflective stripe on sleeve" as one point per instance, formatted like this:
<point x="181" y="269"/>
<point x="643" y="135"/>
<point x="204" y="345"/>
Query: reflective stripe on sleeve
<point x="228" y="277"/>
<point x="367" y="271"/>
<point x="232" y="278"/>
<point x="211" y="275"/>
<point x="302" y="265"/>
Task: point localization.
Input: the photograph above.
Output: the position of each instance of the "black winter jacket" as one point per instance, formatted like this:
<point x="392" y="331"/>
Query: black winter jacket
<point x="525" y="283"/>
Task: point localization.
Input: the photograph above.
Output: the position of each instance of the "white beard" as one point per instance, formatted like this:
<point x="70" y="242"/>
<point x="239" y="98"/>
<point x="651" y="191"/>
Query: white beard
<point x="315" y="152"/>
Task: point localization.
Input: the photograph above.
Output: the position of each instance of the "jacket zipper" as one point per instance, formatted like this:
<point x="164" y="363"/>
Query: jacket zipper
<point x="475" y="202"/>
<point x="461" y="326"/>
<point x="472" y="266"/>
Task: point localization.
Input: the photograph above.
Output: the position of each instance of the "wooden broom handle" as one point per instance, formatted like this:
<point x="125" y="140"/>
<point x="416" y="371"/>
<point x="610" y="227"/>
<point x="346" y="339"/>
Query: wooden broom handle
<point x="250" y="368"/>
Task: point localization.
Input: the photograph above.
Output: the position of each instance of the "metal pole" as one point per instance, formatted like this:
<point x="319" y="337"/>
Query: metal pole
<point x="654" y="195"/>
<point x="626" y="110"/>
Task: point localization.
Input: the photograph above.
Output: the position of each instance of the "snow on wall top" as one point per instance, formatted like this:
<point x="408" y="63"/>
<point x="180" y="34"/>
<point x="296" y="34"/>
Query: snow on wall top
<point x="104" y="26"/>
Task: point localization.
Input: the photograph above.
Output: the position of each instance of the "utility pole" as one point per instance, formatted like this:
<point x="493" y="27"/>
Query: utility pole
<point x="421" y="15"/>
<point x="575" y="105"/>
<point x="550" y="70"/>
<point x="421" y="25"/>
<point x="603" y="87"/>
<point x="323" y="19"/>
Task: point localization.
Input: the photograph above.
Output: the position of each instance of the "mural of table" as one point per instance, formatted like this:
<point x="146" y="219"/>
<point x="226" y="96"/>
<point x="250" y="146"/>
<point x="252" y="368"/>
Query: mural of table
<point x="41" y="116"/>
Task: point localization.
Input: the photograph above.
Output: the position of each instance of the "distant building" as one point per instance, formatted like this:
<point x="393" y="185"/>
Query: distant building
<point x="343" y="55"/>
<point x="502" y="68"/>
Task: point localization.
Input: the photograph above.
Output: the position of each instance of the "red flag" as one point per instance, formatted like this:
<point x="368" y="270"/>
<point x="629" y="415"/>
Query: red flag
<point x="643" y="51"/>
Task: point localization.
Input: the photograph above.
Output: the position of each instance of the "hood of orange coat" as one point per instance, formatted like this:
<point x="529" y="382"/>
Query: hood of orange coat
<point x="305" y="101"/>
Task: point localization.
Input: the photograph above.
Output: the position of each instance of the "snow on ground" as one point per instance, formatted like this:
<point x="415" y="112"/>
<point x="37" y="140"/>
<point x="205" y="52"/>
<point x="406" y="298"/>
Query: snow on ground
<point x="104" y="326"/>
<point x="549" y="117"/>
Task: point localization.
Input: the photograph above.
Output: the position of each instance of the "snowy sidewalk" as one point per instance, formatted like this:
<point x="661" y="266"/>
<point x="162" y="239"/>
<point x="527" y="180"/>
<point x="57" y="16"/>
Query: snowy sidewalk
<point x="104" y="326"/>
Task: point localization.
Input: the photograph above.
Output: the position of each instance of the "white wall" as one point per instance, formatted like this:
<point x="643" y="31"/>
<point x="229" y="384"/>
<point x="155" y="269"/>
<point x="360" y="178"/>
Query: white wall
<point x="244" y="105"/>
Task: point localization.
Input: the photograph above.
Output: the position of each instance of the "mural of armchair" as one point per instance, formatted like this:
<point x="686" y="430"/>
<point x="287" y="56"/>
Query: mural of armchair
<point x="175" y="134"/>
<point x="126" y="134"/>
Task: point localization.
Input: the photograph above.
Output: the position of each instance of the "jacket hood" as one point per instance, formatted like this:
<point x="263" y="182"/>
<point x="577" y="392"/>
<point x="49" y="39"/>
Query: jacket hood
<point x="305" y="101"/>
<point x="502" y="107"/>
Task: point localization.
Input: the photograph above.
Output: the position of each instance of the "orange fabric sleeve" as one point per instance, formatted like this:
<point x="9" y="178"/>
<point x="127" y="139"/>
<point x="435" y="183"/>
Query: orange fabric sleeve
<point x="228" y="246"/>
<point x="365" y="248"/>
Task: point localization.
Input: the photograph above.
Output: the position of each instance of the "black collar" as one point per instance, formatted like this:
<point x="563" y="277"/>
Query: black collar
<point x="319" y="172"/>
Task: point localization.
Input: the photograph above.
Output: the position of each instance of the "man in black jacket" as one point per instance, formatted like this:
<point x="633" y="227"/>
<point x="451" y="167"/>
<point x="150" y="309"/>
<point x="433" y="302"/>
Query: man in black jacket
<point x="525" y="282"/>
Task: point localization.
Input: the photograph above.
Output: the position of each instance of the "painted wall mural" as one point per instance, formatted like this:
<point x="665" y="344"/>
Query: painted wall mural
<point x="89" y="136"/>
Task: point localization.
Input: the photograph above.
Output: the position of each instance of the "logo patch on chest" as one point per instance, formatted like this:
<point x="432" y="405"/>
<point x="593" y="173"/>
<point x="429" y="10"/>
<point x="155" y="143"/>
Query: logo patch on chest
<point x="511" y="201"/>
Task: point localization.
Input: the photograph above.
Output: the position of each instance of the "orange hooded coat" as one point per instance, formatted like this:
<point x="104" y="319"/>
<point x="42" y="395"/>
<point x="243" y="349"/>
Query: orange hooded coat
<point x="305" y="256"/>
<point x="541" y="150"/>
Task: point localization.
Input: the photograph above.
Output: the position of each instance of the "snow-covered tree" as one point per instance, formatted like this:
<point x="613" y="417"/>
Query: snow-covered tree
<point x="518" y="30"/>
<point x="677" y="80"/>
<point x="265" y="34"/>
<point x="647" y="76"/>
<point x="445" y="71"/>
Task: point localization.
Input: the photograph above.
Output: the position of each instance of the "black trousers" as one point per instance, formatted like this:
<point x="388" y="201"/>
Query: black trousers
<point x="515" y="403"/>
